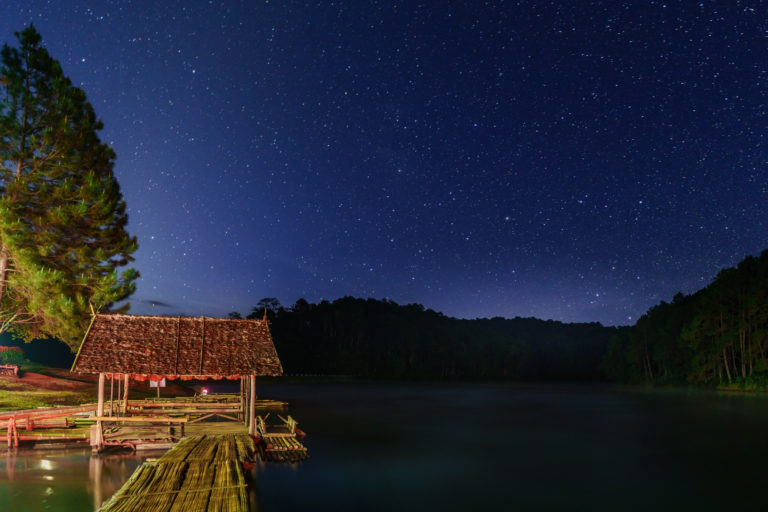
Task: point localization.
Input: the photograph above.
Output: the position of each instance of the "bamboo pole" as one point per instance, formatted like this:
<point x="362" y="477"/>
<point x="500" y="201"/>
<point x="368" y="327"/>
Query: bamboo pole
<point x="111" y="393"/>
<point x="96" y="444"/>
<point x="252" y="407"/>
<point x="125" y="394"/>
<point x="241" y="414"/>
<point x="100" y="406"/>
<point x="246" y="406"/>
<point x="119" y="394"/>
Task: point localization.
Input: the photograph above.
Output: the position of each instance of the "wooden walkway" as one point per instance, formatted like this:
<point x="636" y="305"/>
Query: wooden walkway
<point x="199" y="474"/>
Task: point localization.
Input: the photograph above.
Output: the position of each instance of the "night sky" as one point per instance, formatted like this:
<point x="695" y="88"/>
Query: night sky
<point x="571" y="160"/>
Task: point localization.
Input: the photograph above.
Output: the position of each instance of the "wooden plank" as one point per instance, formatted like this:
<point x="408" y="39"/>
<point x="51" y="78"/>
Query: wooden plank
<point x="220" y="405"/>
<point x="187" y="411"/>
<point x="51" y="412"/>
<point x="137" y="419"/>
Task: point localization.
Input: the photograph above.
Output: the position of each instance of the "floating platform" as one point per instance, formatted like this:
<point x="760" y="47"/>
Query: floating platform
<point x="280" y="442"/>
<point x="148" y="425"/>
<point x="200" y="473"/>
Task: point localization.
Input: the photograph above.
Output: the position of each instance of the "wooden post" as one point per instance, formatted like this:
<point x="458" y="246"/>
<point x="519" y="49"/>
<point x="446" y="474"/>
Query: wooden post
<point x="119" y="394"/>
<point x="96" y="443"/>
<point x="12" y="431"/>
<point x="245" y="401"/>
<point x="111" y="394"/>
<point x="125" y="394"/>
<point x="100" y="406"/>
<point x="242" y="400"/>
<point x="252" y="408"/>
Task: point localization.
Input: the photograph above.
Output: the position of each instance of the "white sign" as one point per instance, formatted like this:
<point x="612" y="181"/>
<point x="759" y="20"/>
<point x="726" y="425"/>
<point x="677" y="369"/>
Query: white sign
<point x="157" y="383"/>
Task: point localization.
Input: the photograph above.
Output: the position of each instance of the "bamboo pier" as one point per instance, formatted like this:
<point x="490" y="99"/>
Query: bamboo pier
<point x="201" y="473"/>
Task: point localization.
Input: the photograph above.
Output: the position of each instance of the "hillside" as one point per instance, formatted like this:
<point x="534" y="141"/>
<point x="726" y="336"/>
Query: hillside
<point x="381" y="339"/>
<point x="717" y="336"/>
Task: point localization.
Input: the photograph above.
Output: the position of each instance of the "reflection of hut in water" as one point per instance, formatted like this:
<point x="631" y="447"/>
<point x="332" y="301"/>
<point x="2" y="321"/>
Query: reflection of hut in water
<point x="161" y="347"/>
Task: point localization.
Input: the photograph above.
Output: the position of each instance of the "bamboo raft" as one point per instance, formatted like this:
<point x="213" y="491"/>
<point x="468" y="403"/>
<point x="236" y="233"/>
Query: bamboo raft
<point x="279" y="443"/>
<point x="201" y="473"/>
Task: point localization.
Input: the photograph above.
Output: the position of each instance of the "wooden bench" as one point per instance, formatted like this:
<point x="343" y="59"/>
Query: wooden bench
<point x="10" y="370"/>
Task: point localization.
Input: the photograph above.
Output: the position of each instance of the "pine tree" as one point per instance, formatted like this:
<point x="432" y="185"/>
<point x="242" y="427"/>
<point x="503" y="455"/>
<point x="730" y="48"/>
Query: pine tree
<point x="62" y="215"/>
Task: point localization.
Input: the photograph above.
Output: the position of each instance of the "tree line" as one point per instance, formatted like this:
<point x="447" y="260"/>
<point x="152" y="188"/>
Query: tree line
<point x="381" y="339"/>
<point x="716" y="336"/>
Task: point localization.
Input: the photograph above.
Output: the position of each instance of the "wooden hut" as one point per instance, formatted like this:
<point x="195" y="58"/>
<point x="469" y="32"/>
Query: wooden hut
<point x="157" y="347"/>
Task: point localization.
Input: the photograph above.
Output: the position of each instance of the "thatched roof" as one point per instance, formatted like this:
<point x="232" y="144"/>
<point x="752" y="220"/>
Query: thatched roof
<point x="170" y="346"/>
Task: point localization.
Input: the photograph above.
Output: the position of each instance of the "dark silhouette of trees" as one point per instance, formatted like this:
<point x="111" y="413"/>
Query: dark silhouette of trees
<point x="373" y="338"/>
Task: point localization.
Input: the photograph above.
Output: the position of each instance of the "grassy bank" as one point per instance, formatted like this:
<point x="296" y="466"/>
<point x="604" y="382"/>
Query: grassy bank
<point x="11" y="400"/>
<point x="753" y="384"/>
<point x="42" y="386"/>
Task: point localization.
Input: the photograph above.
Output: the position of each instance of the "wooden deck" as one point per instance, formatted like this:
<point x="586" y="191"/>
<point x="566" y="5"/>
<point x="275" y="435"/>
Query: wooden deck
<point x="201" y="473"/>
<point x="146" y="424"/>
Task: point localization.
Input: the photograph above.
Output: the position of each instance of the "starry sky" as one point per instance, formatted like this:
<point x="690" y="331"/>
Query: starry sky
<point x="568" y="160"/>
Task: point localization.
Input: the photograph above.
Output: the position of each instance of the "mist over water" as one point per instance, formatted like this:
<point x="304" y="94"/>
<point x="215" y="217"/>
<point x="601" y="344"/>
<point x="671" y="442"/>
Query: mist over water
<point x="484" y="446"/>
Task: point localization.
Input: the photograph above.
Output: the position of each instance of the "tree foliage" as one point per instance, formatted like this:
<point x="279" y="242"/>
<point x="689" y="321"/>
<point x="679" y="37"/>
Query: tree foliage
<point x="718" y="335"/>
<point x="62" y="215"/>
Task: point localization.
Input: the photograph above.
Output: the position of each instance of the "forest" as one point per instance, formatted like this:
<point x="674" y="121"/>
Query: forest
<point x="717" y="336"/>
<point x="381" y="339"/>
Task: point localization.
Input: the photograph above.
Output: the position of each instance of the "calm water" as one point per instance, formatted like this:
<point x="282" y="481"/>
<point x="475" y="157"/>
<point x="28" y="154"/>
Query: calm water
<point x="473" y="447"/>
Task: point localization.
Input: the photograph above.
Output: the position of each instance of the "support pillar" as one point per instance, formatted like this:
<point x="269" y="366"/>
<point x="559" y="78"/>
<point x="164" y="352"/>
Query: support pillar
<point x="125" y="394"/>
<point x="100" y="405"/>
<point x="241" y="412"/>
<point x="252" y="408"/>
<point x="246" y="393"/>
<point x="96" y="433"/>
<point x="119" y="394"/>
<point x="112" y="394"/>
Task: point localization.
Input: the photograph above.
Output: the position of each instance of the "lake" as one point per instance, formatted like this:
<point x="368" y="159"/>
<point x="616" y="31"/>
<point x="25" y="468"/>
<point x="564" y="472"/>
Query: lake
<point x="459" y="447"/>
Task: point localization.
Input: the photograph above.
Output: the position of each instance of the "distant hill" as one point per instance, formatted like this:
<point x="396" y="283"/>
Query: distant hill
<point x="381" y="339"/>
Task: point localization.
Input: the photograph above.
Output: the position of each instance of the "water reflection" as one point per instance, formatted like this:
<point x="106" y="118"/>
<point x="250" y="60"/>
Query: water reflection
<point x="73" y="480"/>
<point x="63" y="480"/>
<point x="10" y="463"/>
<point x="108" y="473"/>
